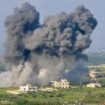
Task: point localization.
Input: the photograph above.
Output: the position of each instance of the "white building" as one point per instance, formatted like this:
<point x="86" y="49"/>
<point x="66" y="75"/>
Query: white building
<point x="63" y="83"/>
<point x="93" y="85"/>
<point x="92" y="74"/>
<point x="27" y="88"/>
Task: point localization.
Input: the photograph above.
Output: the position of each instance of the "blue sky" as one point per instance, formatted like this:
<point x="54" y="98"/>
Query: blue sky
<point x="50" y="7"/>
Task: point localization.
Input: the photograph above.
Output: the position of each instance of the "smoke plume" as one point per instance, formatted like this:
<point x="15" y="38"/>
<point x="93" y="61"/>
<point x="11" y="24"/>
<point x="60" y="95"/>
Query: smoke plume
<point x="38" y="53"/>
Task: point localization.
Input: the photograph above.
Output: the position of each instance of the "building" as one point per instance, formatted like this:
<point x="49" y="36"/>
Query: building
<point x="63" y="83"/>
<point x="92" y="75"/>
<point x="93" y="85"/>
<point x="23" y="89"/>
<point x="27" y="88"/>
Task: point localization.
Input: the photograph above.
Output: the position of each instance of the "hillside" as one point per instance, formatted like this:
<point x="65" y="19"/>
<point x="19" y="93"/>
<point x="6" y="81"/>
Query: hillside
<point x="93" y="59"/>
<point x="96" y="58"/>
<point x="71" y="96"/>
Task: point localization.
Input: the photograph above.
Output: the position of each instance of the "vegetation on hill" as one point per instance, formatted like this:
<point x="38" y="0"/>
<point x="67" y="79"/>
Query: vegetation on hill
<point x="73" y="95"/>
<point x="96" y="58"/>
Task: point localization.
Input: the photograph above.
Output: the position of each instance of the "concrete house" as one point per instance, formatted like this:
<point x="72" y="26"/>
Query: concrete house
<point x="63" y="83"/>
<point x="27" y="88"/>
<point x="92" y="75"/>
<point x="93" y="85"/>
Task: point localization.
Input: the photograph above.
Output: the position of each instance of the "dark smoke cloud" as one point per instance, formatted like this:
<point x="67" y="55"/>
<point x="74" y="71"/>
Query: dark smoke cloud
<point x="81" y="76"/>
<point x="38" y="53"/>
<point x="19" y="26"/>
<point x="64" y="33"/>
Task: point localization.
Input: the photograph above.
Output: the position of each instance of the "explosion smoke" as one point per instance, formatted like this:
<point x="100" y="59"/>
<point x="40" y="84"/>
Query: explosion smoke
<point x="38" y="52"/>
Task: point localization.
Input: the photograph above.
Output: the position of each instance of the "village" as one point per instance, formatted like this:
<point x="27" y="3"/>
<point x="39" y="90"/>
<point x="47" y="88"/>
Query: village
<point x="55" y="86"/>
<point x="58" y="84"/>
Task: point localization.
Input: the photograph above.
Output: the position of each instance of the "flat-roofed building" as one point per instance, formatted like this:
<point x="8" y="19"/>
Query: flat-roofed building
<point x="27" y="88"/>
<point x="63" y="83"/>
<point x="93" y="85"/>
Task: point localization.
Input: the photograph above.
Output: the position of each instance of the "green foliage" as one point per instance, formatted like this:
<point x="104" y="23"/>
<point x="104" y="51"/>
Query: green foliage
<point x="96" y="58"/>
<point x="102" y="81"/>
<point x="71" y="96"/>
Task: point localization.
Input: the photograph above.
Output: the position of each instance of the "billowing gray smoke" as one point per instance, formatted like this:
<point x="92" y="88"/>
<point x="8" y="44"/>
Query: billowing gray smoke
<point x="38" y="52"/>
